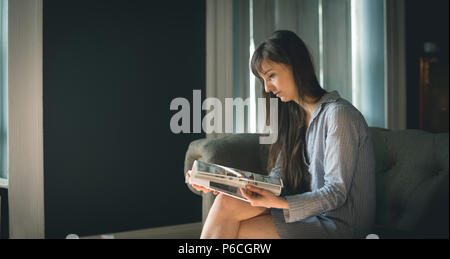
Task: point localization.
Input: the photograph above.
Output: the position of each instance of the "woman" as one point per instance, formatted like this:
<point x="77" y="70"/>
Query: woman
<point x="324" y="155"/>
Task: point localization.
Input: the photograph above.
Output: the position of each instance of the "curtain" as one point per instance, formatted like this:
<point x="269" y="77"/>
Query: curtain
<point x="219" y="57"/>
<point x="347" y="48"/>
<point x="241" y="55"/>
<point x="369" y="60"/>
<point x="325" y="28"/>
<point x="346" y="39"/>
<point x="395" y="64"/>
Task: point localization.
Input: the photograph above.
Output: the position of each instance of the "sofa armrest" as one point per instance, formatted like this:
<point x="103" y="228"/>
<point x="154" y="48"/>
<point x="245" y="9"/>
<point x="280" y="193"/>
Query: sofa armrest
<point x="240" y="151"/>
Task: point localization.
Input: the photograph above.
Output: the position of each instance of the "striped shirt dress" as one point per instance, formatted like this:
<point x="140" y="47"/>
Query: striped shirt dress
<point x="341" y="161"/>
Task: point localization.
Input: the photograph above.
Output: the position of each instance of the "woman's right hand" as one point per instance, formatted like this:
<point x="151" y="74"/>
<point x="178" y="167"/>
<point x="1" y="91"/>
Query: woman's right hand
<point x="198" y="187"/>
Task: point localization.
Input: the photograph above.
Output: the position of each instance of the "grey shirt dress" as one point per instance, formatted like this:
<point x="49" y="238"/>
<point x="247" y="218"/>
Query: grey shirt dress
<point x="341" y="203"/>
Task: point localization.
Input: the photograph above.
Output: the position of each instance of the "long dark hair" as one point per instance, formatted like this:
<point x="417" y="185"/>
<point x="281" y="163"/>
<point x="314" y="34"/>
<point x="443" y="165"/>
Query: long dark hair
<point x="287" y="48"/>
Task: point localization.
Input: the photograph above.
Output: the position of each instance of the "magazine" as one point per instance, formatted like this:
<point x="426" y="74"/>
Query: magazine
<point x="229" y="180"/>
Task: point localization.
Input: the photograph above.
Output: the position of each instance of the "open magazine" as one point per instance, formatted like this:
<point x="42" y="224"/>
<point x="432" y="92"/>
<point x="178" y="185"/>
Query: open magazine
<point x="228" y="180"/>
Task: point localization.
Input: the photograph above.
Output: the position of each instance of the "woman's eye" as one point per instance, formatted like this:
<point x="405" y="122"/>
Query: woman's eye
<point x="271" y="76"/>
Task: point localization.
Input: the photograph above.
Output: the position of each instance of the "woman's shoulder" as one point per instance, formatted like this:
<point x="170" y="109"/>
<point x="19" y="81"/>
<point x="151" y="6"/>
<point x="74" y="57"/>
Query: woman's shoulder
<point x="341" y="106"/>
<point x="343" y="114"/>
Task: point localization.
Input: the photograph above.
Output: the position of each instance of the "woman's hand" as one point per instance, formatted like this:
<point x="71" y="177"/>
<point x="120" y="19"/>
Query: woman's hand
<point x="262" y="198"/>
<point x="198" y="187"/>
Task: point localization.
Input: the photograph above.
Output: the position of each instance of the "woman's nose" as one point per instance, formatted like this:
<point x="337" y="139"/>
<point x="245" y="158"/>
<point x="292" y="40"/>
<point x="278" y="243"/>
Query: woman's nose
<point x="268" y="87"/>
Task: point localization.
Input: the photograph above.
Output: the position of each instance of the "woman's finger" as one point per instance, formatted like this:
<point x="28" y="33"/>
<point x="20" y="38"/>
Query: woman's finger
<point x="188" y="177"/>
<point x="198" y="188"/>
<point x="245" y="194"/>
<point x="255" y="189"/>
<point x="201" y="188"/>
<point x="248" y="196"/>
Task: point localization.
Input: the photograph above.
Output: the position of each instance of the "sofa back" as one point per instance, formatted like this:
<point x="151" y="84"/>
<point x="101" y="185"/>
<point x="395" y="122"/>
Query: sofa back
<point x="412" y="180"/>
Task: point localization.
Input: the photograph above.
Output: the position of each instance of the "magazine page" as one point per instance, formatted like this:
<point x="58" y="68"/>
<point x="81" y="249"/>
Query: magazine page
<point x="235" y="177"/>
<point x="214" y="186"/>
<point x="240" y="183"/>
<point x="228" y="190"/>
<point x="230" y="173"/>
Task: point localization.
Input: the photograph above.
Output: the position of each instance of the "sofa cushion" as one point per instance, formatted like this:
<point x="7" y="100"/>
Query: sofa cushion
<point x="412" y="181"/>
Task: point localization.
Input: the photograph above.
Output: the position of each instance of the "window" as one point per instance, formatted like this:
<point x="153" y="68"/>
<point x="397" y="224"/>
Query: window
<point x="357" y="47"/>
<point x="346" y="39"/>
<point x="368" y="60"/>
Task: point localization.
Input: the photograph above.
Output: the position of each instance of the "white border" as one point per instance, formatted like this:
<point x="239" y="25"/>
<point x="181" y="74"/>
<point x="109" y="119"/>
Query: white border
<point x="25" y="128"/>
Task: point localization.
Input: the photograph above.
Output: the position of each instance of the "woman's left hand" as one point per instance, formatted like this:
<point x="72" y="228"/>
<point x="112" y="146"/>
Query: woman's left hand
<point x="262" y="198"/>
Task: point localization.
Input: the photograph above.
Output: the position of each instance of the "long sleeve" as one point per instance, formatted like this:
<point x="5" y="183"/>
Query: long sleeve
<point x="340" y="160"/>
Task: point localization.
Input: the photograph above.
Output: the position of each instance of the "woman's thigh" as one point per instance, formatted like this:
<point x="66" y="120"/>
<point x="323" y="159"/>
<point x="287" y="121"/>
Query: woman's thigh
<point x="259" y="227"/>
<point x="237" y="209"/>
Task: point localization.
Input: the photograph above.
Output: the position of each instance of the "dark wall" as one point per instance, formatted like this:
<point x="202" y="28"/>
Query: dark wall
<point x="4" y="211"/>
<point x="426" y="21"/>
<point x="111" y="69"/>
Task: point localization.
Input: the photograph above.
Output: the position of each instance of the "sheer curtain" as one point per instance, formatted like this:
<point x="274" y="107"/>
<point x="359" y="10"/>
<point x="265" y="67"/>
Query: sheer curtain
<point x="369" y="61"/>
<point x="351" y="43"/>
<point x="219" y="54"/>
<point x="324" y="25"/>
<point x="346" y="39"/>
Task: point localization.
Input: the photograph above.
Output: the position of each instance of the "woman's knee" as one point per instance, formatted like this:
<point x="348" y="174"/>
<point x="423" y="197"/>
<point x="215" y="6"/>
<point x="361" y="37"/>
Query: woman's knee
<point x="233" y="208"/>
<point x="225" y="203"/>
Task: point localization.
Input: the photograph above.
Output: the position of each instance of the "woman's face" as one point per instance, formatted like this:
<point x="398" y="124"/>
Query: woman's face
<point x="279" y="80"/>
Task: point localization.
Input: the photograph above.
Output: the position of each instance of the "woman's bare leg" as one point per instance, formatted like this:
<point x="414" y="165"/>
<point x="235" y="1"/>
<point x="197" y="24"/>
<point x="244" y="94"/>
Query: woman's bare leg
<point x="251" y="228"/>
<point x="225" y="216"/>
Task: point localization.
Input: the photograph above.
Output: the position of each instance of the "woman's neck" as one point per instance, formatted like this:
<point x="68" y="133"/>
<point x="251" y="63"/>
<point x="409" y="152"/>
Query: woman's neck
<point x="309" y="106"/>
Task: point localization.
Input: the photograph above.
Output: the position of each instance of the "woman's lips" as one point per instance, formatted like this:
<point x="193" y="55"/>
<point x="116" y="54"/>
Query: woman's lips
<point x="278" y="94"/>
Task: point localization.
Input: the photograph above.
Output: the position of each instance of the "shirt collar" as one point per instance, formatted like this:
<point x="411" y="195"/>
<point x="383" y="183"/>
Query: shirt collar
<point x="329" y="97"/>
<point x="326" y="98"/>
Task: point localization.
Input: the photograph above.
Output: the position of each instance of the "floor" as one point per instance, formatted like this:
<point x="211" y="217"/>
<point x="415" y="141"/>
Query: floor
<point x="184" y="231"/>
